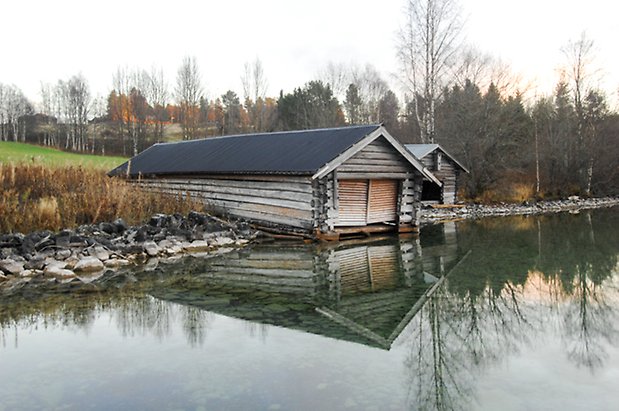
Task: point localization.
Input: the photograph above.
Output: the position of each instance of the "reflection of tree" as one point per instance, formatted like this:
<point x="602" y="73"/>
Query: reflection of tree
<point x="195" y="323"/>
<point x="142" y="316"/>
<point x="589" y="321"/>
<point x="137" y="314"/>
<point x="457" y="337"/>
<point x="519" y="280"/>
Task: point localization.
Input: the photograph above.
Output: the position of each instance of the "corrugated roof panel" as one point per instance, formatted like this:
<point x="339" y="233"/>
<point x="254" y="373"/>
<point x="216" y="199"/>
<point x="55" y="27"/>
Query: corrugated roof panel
<point x="290" y="152"/>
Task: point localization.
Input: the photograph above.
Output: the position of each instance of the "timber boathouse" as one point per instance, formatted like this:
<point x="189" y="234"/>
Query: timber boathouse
<point x="323" y="183"/>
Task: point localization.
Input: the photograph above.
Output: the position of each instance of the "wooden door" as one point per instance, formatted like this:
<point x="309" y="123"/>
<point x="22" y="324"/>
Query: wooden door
<point x="352" y="202"/>
<point x="382" y="201"/>
<point x="362" y="202"/>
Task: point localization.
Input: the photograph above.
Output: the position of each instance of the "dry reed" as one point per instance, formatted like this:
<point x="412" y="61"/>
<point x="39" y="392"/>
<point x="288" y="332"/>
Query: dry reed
<point x="36" y="197"/>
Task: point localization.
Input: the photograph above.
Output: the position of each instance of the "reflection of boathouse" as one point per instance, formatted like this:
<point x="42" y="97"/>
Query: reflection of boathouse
<point x="365" y="293"/>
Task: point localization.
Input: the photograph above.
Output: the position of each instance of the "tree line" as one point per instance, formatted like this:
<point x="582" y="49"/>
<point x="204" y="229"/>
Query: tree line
<point x="560" y="144"/>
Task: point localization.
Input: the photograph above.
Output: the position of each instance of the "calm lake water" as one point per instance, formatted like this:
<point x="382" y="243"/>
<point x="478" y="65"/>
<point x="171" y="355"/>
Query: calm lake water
<point x="511" y="313"/>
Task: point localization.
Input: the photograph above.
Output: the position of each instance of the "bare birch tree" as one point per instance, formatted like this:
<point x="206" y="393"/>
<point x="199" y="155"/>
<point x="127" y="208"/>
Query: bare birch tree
<point x="255" y="86"/>
<point x="188" y="92"/>
<point x="427" y="44"/>
<point x="157" y="95"/>
<point x="580" y="59"/>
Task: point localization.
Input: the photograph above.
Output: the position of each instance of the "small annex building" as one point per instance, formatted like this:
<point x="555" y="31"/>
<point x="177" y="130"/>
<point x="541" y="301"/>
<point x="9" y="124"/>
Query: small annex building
<point x="324" y="182"/>
<point x="442" y="165"/>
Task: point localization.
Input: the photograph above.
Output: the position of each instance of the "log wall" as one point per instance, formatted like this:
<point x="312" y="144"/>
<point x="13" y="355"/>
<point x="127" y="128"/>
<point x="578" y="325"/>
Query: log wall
<point x="279" y="200"/>
<point x="447" y="175"/>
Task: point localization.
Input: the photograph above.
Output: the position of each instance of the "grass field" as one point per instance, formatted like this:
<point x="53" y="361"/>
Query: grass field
<point x="17" y="153"/>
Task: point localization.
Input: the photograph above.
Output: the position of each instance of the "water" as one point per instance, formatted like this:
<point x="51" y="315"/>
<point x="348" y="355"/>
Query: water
<point x="510" y="313"/>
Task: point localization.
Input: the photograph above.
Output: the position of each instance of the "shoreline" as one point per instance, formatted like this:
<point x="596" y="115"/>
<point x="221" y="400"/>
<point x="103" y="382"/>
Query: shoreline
<point x="89" y="252"/>
<point x="431" y="215"/>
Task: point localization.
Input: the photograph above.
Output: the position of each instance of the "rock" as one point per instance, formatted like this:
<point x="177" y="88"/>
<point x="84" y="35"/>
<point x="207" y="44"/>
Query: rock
<point x="6" y="252"/>
<point x="63" y="239"/>
<point x="120" y="225"/>
<point x="157" y="220"/>
<point x="100" y="252"/>
<point x="37" y="262"/>
<point x="141" y="235"/>
<point x="222" y="241"/>
<point x="50" y="262"/>
<point x="175" y="249"/>
<point x="10" y="266"/>
<point x="116" y="262"/>
<point x="89" y="264"/>
<point x="58" y="273"/>
<point x="196" y="247"/>
<point x="151" y="248"/>
<point x="28" y="273"/>
<point x="134" y="249"/>
<point x="71" y="262"/>
<point x="63" y="254"/>
<point x="3" y="277"/>
<point x="108" y="228"/>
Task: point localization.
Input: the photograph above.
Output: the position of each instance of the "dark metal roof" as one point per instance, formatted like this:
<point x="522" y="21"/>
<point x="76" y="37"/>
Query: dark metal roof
<point x="288" y="152"/>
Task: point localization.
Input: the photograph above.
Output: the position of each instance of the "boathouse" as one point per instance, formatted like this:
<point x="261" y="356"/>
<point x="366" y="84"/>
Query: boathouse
<point x="444" y="166"/>
<point x="324" y="183"/>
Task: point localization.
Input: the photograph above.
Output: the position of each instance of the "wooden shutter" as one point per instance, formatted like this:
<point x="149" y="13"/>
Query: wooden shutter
<point x="353" y="204"/>
<point x="383" y="201"/>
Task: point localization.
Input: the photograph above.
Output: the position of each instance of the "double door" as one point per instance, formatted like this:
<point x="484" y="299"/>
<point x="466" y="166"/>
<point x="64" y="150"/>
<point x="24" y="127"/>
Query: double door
<point x="363" y="202"/>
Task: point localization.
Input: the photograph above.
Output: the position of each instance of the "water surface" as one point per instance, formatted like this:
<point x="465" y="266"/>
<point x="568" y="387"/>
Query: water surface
<point x="521" y="314"/>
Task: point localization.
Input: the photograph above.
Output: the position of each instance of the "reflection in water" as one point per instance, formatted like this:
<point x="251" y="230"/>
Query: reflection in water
<point x="523" y="280"/>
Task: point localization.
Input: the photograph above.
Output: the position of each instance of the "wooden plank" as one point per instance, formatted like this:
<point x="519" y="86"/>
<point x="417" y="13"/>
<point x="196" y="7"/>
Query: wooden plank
<point x="352" y="202"/>
<point x="267" y="218"/>
<point x="383" y="201"/>
<point x="364" y="175"/>
<point x="293" y="186"/>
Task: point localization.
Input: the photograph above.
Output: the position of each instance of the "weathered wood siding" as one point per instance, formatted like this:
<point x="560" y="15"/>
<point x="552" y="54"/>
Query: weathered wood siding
<point x="375" y="185"/>
<point x="378" y="160"/>
<point x="353" y="202"/>
<point x="382" y="201"/>
<point x="447" y="175"/>
<point x="285" y="200"/>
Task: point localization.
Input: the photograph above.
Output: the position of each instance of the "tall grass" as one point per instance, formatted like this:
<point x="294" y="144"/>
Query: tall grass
<point x="36" y="197"/>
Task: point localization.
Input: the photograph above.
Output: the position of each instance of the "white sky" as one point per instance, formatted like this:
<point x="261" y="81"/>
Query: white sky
<point x="44" y="41"/>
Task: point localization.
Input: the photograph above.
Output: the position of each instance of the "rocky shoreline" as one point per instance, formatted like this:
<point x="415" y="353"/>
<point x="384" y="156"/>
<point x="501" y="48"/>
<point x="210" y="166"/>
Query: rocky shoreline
<point x="90" y="251"/>
<point x="574" y="204"/>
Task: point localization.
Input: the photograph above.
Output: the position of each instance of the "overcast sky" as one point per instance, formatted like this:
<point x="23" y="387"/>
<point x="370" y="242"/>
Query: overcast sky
<point x="49" y="40"/>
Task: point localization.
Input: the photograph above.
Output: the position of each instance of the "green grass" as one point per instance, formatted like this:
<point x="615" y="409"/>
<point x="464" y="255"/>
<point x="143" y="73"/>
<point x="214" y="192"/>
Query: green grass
<point x="16" y="153"/>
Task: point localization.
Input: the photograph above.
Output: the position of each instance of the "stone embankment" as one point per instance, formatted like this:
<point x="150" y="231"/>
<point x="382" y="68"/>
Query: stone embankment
<point x="89" y="252"/>
<point x="572" y="204"/>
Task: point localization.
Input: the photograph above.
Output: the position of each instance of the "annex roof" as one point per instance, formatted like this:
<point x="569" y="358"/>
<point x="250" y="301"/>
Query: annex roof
<point x="306" y="152"/>
<point x="422" y="150"/>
